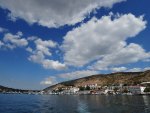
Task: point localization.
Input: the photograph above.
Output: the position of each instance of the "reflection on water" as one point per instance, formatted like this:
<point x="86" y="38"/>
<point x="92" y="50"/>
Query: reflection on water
<point x="146" y="100"/>
<point x="147" y="103"/>
<point x="74" y="104"/>
<point x="82" y="107"/>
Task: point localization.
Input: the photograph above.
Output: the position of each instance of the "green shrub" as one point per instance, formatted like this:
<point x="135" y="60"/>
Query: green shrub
<point x="82" y="88"/>
<point x="87" y="88"/>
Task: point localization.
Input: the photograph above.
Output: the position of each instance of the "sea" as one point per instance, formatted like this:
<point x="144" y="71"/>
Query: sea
<point x="23" y="103"/>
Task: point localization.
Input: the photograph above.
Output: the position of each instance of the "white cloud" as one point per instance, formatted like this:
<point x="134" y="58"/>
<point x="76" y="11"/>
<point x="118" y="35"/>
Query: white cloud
<point x="104" y="39"/>
<point x="32" y="38"/>
<point x="29" y="49"/>
<point x="51" y="64"/>
<point x="147" y="68"/>
<point x="129" y="54"/>
<point x="77" y="74"/>
<point x="1" y="44"/>
<point x="13" y="41"/>
<point x="2" y="29"/>
<point x="37" y="57"/>
<point x="40" y="53"/>
<point x="44" y="46"/>
<point x="42" y="49"/>
<point x="53" y="13"/>
<point x="137" y="69"/>
<point x="49" y="81"/>
<point x="47" y="63"/>
<point x="119" y="69"/>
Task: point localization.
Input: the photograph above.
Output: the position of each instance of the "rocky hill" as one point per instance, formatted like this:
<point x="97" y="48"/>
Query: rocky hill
<point x="128" y="78"/>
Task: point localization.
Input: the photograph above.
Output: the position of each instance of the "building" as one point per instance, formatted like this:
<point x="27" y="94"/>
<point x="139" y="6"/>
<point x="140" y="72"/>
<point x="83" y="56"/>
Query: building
<point x="72" y="90"/>
<point x="136" y="89"/>
<point x="92" y="86"/>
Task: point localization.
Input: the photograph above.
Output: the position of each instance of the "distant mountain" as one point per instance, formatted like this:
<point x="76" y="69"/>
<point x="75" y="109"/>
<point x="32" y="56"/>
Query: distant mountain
<point x="128" y="78"/>
<point x="4" y="89"/>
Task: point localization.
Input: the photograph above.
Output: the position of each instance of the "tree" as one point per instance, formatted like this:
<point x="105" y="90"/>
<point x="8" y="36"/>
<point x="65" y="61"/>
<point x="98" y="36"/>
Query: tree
<point x="87" y="88"/>
<point x="82" y="88"/>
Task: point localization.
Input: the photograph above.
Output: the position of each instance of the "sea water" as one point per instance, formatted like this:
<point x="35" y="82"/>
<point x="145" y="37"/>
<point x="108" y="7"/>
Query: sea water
<point x="21" y="103"/>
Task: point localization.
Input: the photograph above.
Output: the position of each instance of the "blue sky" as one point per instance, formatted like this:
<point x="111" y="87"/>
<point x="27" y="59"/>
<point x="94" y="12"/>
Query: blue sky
<point x="46" y="42"/>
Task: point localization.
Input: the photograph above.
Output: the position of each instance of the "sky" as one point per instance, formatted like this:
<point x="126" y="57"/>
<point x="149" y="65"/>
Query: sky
<point x="46" y="42"/>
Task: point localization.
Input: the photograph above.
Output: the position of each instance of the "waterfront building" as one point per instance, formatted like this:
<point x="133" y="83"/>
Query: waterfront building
<point x="136" y="89"/>
<point x="72" y="90"/>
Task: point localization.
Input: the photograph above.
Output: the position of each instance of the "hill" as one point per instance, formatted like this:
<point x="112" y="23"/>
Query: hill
<point x="128" y="78"/>
<point x="4" y="89"/>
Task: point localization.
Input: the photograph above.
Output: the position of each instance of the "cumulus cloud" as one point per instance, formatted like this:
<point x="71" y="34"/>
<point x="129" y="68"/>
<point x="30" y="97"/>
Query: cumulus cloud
<point x="29" y="49"/>
<point x="36" y="57"/>
<point x="41" y="51"/>
<point x="129" y="54"/>
<point x="51" y="64"/>
<point x="12" y="41"/>
<point x="119" y="69"/>
<point x="104" y="40"/>
<point x="38" y="54"/>
<point x="49" y="81"/>
<point x="53" y="13"/>
<point x="77" y="74"/>
<point x="44" y="46"/>
<point x="47" y="63"/>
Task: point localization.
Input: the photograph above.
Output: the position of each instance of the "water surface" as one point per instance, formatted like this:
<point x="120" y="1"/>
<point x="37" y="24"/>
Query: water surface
<point x="15" y="103"/>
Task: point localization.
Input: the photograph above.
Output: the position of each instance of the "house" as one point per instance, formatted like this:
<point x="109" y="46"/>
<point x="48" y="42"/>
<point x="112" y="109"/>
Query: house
<point x="71" y="90"/>
<point x="136" y="89"/>
<point x="92" y="86"/>
<point x="74" y="90"/>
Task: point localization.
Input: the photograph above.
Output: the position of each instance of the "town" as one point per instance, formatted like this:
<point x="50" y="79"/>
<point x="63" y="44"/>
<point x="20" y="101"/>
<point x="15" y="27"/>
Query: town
<point x="115" y="89"/>
<point x="91" y="89"/>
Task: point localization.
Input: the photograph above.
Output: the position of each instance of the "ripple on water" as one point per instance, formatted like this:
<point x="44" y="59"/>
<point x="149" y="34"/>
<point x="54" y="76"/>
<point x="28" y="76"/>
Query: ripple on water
<point x="74" y="104"/>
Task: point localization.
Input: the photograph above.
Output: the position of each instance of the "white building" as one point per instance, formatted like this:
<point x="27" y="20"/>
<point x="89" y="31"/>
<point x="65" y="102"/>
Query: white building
<point x="92" y="86"/>
<point x="136" y="89"/>
<point x="72" y="90"/>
